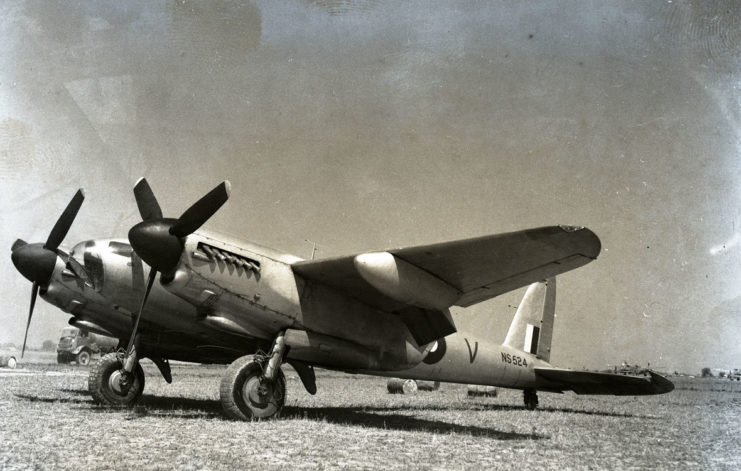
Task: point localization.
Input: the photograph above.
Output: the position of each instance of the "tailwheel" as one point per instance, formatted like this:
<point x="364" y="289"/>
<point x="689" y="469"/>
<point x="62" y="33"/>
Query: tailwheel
<point x="246" y="392"/>
<point x="110" y="385"/>
<point x="531" y="399"/>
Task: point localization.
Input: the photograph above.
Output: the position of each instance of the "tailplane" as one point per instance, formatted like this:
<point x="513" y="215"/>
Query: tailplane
<point x="532" y="327"/>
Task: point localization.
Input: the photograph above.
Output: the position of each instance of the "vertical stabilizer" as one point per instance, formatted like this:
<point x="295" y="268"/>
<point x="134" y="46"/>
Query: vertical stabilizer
<point x="532" y="327"/>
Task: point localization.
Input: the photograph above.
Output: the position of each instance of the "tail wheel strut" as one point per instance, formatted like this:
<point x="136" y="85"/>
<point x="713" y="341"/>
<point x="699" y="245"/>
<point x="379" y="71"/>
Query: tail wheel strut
<point x="531" y="399"/>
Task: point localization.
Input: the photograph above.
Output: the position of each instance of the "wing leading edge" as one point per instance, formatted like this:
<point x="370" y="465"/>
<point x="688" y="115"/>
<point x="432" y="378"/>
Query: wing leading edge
<point x="587" y="382"/>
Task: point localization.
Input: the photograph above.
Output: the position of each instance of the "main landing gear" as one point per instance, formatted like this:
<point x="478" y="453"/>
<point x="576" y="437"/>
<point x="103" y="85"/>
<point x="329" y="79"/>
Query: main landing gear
<point x="111" y="385"/>
<point x="254" y="386"/>
<point x="531" y="399"/>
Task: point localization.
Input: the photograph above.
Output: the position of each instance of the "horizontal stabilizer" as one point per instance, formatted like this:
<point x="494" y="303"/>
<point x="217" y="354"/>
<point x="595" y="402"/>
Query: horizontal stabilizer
<point x="587" y="382"/>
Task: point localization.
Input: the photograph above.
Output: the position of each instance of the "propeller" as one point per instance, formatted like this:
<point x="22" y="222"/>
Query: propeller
<point x="36" y="261"/>
<point x="159" y="241"/>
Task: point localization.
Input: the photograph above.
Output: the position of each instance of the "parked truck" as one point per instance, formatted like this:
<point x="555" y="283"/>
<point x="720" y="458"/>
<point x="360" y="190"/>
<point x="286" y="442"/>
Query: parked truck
<point x="78" y="345"/>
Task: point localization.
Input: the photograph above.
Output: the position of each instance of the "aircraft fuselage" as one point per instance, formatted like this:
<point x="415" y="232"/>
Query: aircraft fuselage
<point x="468" y="359"/>
<point x="224" y="291"/>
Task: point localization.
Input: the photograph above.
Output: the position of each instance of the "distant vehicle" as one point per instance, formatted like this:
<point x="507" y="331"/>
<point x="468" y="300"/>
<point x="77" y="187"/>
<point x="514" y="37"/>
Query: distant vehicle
<point x="78" y="345"/>
<point x="735" y="374"/>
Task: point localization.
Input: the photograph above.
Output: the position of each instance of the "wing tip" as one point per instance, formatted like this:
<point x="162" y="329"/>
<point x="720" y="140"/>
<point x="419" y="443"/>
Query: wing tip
<point x="660" y="384"/>
<point x="590" y="242"/>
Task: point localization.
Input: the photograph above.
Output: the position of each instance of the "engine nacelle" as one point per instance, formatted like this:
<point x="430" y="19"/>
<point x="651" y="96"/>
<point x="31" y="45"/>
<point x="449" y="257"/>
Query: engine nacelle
<point x="323" y="350"/>
<point x="405" y="282"/>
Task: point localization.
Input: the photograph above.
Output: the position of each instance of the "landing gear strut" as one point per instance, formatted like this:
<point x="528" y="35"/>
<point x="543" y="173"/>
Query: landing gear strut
<point x="531" y="399"/>
<point x="118" y="379"/>
<point x="254" y="386"/>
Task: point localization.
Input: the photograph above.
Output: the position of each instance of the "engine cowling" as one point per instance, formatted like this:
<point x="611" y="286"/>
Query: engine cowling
<point x="405" y="282"/>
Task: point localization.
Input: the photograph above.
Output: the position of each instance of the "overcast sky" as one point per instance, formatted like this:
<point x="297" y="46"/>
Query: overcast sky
<point x="368" y="125"/>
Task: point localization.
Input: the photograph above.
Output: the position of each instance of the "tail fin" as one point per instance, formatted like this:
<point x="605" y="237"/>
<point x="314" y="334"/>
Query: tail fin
<point x="532" y="326"/>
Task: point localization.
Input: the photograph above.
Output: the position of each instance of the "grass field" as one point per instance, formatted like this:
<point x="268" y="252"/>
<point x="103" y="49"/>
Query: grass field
<point x="48" y="421"/>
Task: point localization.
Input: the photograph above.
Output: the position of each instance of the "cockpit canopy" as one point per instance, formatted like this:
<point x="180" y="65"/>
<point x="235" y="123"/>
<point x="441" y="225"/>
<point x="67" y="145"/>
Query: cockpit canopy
<point x="88" y="255"/>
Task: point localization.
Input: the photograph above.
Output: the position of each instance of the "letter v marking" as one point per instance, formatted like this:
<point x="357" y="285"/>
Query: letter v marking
<point x="472" y="354"/>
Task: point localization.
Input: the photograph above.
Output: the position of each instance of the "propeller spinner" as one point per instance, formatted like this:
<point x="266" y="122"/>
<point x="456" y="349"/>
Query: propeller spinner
<point x="36" y="261"/>
<point x="158" y="240"/>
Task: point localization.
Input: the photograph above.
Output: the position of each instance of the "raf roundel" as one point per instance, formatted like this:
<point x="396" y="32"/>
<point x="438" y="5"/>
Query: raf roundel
<point x="437" y="352"/>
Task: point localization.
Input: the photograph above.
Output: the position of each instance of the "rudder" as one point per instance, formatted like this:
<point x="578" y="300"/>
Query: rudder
<point x="532" y="327"/>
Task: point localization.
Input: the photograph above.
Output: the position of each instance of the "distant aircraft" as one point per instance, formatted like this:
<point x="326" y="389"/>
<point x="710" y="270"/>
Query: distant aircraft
<point x="220" y="300"/>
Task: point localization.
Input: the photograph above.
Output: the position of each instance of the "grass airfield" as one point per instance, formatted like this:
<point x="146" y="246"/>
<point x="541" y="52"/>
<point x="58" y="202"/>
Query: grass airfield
<point x="49" y="422"/>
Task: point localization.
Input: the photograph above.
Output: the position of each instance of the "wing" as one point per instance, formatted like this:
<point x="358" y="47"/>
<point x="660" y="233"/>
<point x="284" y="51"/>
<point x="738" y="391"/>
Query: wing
<point x="477" y="269"/>
<point x="587" y="382"/>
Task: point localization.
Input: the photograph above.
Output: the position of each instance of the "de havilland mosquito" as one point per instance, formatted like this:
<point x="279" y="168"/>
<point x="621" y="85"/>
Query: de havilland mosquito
<point x="387" y="313"/>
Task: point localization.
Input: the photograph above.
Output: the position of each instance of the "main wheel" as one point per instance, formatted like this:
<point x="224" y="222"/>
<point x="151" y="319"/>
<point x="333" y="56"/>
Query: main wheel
<point x="104" y="382"/>
<point x="247" y="395"/>
<point x="83" y="358"/>
<point x="61" y="358"/>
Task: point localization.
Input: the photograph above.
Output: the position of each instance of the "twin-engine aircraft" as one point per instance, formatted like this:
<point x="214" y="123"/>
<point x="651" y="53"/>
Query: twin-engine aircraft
<point x="232" y="302"/>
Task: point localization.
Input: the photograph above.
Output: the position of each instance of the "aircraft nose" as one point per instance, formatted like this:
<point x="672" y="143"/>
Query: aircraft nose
<point x="153" y="243"/>
<point x="34" y="262"/>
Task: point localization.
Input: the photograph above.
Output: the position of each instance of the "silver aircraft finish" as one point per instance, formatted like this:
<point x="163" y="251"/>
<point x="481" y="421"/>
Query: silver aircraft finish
<point x="220" y="300"/>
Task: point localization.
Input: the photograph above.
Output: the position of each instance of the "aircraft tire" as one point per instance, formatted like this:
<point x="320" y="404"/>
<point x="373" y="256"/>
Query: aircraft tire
<point x="531" y="399"/>
<point x="102" y="383"/>
<point x="83" y="358"/>
<point x="246" y="396"/>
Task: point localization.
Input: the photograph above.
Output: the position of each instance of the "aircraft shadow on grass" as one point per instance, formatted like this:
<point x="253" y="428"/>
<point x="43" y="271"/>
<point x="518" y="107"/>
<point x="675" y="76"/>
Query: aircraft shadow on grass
<point x="52" y="399"/>
<point x="353" y="416"/>
<point x="211" y="407"/>
<point x="567" y="410"/>
<point x="376" y="417"/>
<point x="180" y="407"/>
<point x="360" y="416"/>
<point x="365" y="417"/>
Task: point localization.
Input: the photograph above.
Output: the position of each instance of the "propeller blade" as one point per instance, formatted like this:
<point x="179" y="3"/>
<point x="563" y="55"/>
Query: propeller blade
<point x="60" y="229"/>
<point x="137" y="273"/>
<point x="195" y="216"/>
<point x="150" y="282"/>
<point x="34" y="293"/>
<point x="17" y="244"/>
<point x="149" y="208"/>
